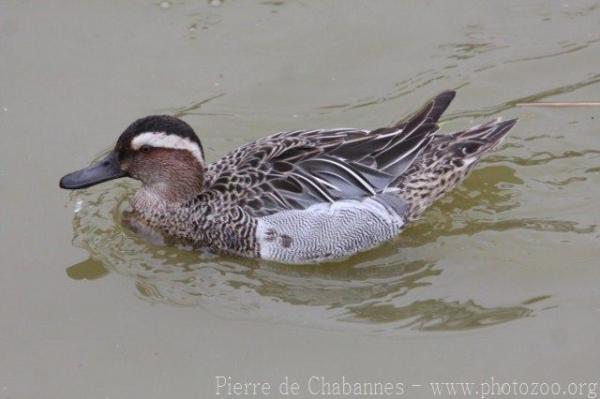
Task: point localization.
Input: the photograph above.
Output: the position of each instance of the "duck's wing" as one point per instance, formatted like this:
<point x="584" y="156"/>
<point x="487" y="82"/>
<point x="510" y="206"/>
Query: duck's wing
<point x="294" y="170"/>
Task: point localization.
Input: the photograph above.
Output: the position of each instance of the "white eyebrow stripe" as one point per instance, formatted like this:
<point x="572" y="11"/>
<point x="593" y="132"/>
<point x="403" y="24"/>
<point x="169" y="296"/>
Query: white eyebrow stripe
<point x="163" y="140"/>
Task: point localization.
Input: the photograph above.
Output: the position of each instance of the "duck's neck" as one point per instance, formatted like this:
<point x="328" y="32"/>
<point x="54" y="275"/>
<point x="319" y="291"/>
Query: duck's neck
<point x="156" y="199"/>
<point x="169" y="189"/>
<point x="165" y="210"/>
<point x="161" y="197"/>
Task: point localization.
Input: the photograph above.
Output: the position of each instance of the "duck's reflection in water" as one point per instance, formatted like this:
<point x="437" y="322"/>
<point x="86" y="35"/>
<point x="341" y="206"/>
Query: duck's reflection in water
<point x="377" y="291"/>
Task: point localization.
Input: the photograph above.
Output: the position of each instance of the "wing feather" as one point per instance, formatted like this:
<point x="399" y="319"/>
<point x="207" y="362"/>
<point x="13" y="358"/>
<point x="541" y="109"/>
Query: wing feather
<point x="293" y="170"/>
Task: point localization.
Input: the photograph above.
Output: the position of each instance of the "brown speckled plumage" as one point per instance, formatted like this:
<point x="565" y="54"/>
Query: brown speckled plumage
<point x="403" y="168"/>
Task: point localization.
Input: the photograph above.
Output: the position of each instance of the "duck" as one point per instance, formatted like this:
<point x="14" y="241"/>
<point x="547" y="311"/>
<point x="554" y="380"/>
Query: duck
<point x="302" y="196"/>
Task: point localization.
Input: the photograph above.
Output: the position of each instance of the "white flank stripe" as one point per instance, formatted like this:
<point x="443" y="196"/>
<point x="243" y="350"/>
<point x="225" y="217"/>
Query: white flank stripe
<point x="407" y="153"/>
<point x="163" y="140"/>
<point x="313" y="184"/>
<point x="354" y="174"/>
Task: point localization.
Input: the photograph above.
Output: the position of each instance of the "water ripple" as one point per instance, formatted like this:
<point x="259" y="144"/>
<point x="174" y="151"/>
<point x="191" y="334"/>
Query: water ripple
<point x="379" y="291"/>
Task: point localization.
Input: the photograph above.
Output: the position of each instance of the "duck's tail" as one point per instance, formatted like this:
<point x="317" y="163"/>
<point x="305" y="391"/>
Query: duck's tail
<point x="447" y="161"/>
<point x="471" y="144"/>
<point x="430" y="112"/>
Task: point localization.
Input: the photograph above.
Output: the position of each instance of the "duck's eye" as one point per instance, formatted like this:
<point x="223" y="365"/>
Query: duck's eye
<point x="145" y="149"/>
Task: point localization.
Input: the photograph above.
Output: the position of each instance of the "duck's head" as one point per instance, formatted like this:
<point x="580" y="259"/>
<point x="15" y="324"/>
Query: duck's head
<point x="161" y="151"/>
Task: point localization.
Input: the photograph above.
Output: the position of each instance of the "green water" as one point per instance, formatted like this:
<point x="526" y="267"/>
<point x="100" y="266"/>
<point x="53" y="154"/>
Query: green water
<point x="500" y="278"/>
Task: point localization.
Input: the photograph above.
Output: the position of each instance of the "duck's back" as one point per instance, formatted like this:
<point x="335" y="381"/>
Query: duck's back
<point x="325" y="194"/>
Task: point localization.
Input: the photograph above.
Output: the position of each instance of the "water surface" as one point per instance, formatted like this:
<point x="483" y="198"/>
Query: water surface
<point x="499" y="278"/>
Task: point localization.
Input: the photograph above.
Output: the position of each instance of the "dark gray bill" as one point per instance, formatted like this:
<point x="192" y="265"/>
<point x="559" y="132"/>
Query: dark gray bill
<point x="107" y="169"/>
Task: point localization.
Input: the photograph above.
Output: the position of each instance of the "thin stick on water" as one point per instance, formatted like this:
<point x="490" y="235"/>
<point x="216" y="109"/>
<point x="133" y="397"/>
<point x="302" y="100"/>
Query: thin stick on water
<point x="564" y="104"/>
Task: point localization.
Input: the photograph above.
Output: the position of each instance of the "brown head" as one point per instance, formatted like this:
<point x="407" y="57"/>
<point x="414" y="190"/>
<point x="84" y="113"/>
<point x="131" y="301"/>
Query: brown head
<point x="161" y="151"/>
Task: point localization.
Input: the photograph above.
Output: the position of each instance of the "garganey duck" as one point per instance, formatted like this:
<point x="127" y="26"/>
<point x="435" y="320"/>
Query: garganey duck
<point x="295" y="197"/>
